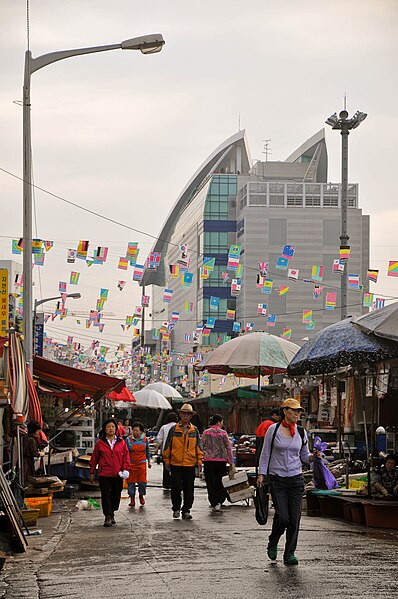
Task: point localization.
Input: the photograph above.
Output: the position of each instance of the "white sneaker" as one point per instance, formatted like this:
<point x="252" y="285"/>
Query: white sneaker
<point x="217" y="508"/>
<point x="176" y="514"/>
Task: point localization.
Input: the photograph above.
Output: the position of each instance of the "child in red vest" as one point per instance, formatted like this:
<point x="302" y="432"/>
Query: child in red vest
<point x="138" y="447"/>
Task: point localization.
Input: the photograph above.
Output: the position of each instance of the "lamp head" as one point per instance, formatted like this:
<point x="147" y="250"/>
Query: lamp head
<point x="74" y="295"/>
<point x="358" y="118"/>
<point x="332" y="120"/>
<point x="147" y="44"/>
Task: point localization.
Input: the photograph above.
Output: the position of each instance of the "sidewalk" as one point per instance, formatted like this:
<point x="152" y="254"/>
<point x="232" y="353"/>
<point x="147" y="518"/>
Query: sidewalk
<point x="219" y="555"/>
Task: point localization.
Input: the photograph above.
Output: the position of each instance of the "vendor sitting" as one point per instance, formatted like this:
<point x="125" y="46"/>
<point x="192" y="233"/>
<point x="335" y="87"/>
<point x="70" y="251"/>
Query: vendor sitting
<point x="386" y="481"/>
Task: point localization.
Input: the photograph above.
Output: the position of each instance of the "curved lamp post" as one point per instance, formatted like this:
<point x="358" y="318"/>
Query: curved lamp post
<point x="344" y="125"/>
<point x="147" y="44"/>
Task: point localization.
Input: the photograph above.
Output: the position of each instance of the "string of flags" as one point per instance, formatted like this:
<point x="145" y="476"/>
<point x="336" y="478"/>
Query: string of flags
<point x="180" y="270"/>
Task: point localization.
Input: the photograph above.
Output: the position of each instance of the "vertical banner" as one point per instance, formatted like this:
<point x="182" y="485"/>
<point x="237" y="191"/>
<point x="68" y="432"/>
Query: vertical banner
<point x="39" y="335"/>
<point x="3" y="302"/>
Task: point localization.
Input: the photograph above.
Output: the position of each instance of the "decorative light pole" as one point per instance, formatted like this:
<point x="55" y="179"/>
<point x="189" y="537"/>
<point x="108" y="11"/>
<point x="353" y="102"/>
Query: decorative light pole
<point x="147" y="44"/>
<point x="344" y="125"/>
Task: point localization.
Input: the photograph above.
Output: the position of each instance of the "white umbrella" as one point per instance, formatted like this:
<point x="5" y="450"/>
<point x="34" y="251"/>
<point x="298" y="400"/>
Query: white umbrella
<point x="149" y="398"/>
<point x="163" y="388"/>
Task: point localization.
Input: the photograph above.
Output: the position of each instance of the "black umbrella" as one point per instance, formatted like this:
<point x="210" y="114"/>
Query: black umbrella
<point x="338" y="345"/>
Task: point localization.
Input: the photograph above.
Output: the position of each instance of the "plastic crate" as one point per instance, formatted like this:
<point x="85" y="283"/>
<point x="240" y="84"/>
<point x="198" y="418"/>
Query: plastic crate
<point x="30" y="516"/>
<point x="43" y="504"/>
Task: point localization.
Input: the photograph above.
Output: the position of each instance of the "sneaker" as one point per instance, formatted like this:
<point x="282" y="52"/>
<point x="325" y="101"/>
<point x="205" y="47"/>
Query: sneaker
<point x="113" y="521"/>
<point x="142" y="500"/>
<point x="291" y="560"/>
<point x="187" y="516"/>
<point x="272" y="552"/>
<point x="176" y="514"/>
<point x="108" y="521"/>
<point x="132" y="502"/>
<point x="217" y="508"/>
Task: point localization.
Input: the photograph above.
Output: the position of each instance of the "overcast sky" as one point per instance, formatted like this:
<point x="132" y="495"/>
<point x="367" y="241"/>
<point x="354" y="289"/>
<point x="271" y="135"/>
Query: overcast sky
<point x="120" y="133"/>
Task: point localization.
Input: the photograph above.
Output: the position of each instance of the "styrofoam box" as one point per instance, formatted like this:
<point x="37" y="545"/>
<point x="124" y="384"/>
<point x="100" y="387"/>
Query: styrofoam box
<point x="241" y="495"/>
<point x="238" y="479"/>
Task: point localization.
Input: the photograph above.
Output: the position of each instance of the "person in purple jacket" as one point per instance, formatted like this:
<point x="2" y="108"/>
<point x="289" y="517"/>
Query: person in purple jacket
<point x="217" y="454"/>
<point x="285" y="448"/>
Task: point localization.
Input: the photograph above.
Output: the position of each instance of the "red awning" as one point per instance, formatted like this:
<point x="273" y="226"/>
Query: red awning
<point x="124" y="395"/>
<point x="82" y="382"/>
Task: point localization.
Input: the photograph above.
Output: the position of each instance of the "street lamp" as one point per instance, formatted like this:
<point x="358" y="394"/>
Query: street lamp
<point x="38" y="325"/>
<point x="147" y="44"/>
<point x="344" y="125"/>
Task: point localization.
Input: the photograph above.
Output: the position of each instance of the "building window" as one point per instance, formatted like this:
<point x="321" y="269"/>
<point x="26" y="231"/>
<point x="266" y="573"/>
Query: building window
<point x="258" y="200"/>
<point x="276" y="200"/>
<point x="216" y="242"/>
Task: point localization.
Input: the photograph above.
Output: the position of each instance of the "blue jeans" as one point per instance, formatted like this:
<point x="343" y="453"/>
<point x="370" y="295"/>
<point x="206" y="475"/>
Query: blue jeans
<point x="287" y="495"/>
<point x="141" y="489"/>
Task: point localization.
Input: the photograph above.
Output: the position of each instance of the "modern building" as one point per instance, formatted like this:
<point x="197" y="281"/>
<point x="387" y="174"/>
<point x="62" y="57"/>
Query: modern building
<point x="261" y="208"/>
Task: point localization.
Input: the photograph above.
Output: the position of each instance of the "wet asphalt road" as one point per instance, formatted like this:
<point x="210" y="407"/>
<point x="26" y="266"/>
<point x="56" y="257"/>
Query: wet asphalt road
<point x="215" y="555"/>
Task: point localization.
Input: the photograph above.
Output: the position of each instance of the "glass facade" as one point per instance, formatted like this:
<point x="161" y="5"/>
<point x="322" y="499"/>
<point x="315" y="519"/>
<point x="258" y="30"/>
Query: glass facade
<point x="222" y="189"/>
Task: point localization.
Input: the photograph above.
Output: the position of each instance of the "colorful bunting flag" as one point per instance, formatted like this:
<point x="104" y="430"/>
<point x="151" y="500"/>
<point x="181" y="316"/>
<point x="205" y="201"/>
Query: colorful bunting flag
<point x="331" y="298"/>
<point x="287" y="333"/>
<point x="317" y="291"/>
<point x="104" y="294"/>
<point x="214" y="302"/>
<point x="271" y="320"/>
<point x="204" y="273"/>
<point x="175" y="316"/>
<point x="262" y="309"/>
<point x="138" y="272"/>
<point x="372" y="275"/>
<point x="344" y="251"/>
<point x="234" y="251"/>
<point x="209" y="263"/>
<point x="37" y="246"/>
<point x="392" y="268"/>
<point x="187" y="337"/>
<point x="123" y="263"/>
<point x="310" y="325"/>
<point x="188" y="306"/>
<point x="167" y="296"/>
<point x="62" y="287"/>
<point x="174" y="270"/>
<point x="233" y="263"/>
<point x="236" y="327"/>
<point x="101" y="254"/>
<point x="379" y="303"/>
<point x="120" y="285"/>
<point x="368" y="300"/>
<point x="283" y="290"/>
<point x="236" y="287"/>
<point x="338" y="266"/>
<point x="186" y="279"/>
<point x="282" y="263"/>
<point x="225" y="277"/>
<point x="145" y="299"/>
<point x="74" y="278"/>
<point x="17" y="246"/>
<point x="230" y="315"/>
<point x="293" y="274"/>
<point x="317" y="273"/>
<point x="71" y="256"/>
<point x="249" y="327"/>
<point x="82" y="250"/>
<point x="353" y="281"/>
<point x="210" y="322"/>
<point x="307" y="316"/>
<point x="267" y="287"/>
<point x="263" y="267"/>
<point x="288" y="251"/>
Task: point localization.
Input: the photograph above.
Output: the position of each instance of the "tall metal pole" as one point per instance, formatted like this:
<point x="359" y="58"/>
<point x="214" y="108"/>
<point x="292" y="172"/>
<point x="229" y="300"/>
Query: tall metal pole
<point x="344" y="211"/>
<point x="27" y="216"/>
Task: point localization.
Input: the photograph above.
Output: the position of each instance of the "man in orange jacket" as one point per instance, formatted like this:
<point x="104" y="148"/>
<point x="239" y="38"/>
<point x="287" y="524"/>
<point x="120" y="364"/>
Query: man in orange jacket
<point x="182" y="453"/>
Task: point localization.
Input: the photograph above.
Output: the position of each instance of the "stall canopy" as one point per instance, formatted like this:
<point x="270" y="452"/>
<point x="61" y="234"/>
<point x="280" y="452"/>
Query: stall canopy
<point x="338" y="345"/>
<point x="382" y="323"/>
<point x="80" y="381"/>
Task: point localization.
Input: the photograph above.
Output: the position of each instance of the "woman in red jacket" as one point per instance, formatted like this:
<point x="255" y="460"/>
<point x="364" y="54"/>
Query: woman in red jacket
<point x="112" y="457"/>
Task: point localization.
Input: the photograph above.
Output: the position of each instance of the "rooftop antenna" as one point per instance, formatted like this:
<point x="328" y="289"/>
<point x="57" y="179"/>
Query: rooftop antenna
<point x="345" y="100"/>
<point x="266" y="149"/>
<point x="238" y="121"/>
